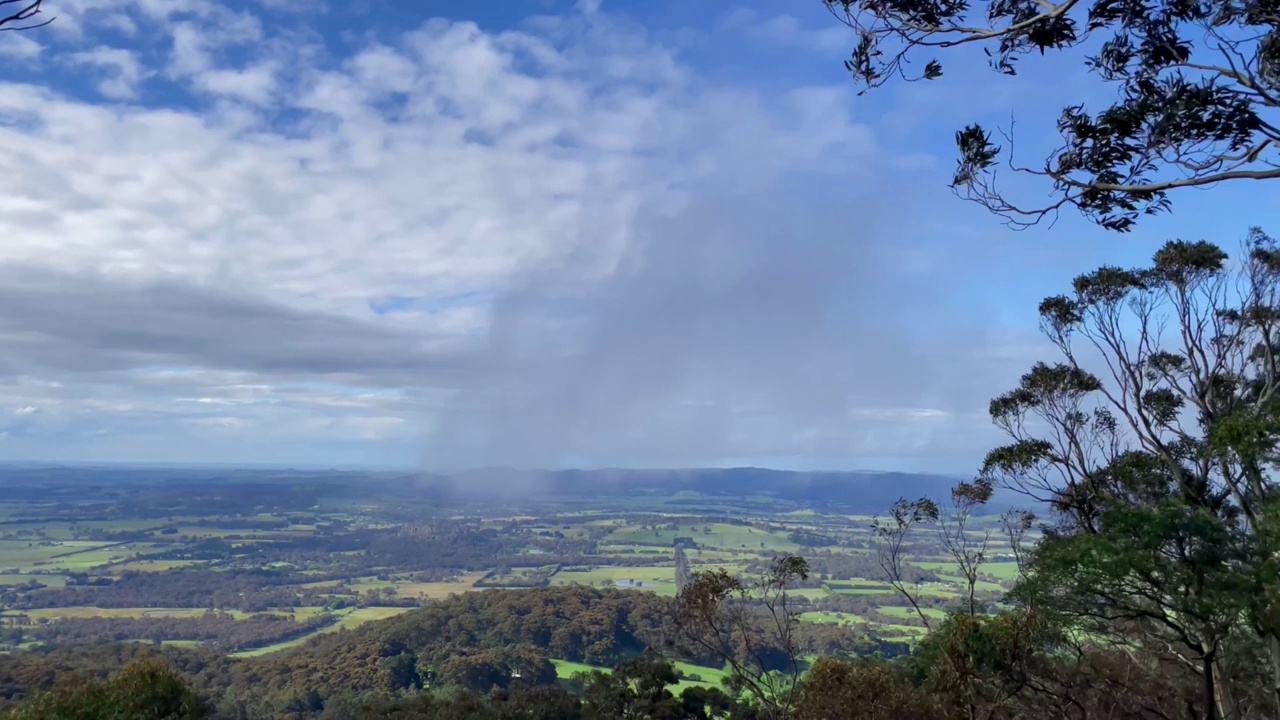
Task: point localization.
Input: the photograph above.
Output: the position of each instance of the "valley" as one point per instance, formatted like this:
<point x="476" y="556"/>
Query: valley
<point x="257" y="564"/>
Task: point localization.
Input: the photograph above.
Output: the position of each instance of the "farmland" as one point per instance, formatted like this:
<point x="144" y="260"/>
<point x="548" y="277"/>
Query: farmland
<point x="256" y="566"/>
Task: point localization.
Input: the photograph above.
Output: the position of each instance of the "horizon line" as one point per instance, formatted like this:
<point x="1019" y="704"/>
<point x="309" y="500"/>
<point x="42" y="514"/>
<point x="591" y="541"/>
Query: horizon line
<point x="161" y="465"/>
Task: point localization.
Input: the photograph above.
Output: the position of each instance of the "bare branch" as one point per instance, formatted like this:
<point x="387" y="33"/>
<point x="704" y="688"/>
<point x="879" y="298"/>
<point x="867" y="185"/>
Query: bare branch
<point x="20" y="14"/>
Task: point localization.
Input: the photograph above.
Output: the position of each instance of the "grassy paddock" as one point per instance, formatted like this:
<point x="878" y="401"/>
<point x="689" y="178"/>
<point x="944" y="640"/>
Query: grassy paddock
<point x="659" y="579"/>
<point x="710" y="677"/>
<point x="906" y="612"/>
<point x="93" y="612"/>
<point x="151" y="566"/>
<point x="722" y="536"/>
<point x="350" y="619"/>
<point x="831" y="618"/>
<point x="53" y="581"/>
<point x="1001" y="570"/>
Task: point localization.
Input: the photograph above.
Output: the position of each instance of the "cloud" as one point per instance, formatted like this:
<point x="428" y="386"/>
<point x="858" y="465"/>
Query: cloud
<point x="296" y="6"/>
<point x="121" y="70"/>
<point x="738" y="326"/>
<point x="551" y="244"/>
<point x="225" y="422"/>
<point x="20" y="46"/>
<point x="86" y="323"/>
<point x="786" y="32"/>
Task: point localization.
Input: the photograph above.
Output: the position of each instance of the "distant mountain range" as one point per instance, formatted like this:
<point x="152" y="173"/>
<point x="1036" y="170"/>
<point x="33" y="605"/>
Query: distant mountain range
<point x="860" y="491"/>
<point x="851" y="491"/>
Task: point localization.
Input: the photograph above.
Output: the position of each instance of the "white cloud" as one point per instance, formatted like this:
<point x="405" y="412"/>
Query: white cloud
<point x="254" y="84"/>
<point x="222" y="422"/>
<point x="787" y="32"/>
<point x="296" y="6"/>
<point x="121" y="70"/>
<point x="357" y="426"/>
<point x="20" y="46"/>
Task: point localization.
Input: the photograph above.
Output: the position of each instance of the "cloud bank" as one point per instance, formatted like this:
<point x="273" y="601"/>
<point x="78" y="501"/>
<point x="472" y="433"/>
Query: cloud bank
<point x="230" y="235"/>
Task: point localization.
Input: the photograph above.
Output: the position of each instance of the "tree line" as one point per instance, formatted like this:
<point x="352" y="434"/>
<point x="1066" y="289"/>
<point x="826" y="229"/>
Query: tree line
<point x="217" y="630"/>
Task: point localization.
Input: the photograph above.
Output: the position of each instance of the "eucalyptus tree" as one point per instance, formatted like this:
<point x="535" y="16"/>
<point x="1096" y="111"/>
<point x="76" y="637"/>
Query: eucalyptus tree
<point x="1152" y="440"/>
<point x="1197" y="93"/>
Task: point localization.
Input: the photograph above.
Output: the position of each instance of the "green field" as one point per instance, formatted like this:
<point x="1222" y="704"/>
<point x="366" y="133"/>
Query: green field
<point x="722" y="535"/>
<point x="324" y="552"/>
<point x="406" y="588"/>
<point x="831" y="618"/>
<point x="858" y="587"/>
<point x="55" y="581"/>
<point x="151" y="565"/>
<point x="657" y="578"/>
<point x="350" y="619"/>
<point x="901" y="633"/>
<point x="566" y="669"/>
<point x="981" y="585"/>
<point x="709" y="677"/>
<point x="907" y="612"/>
<point x="89" y="612"/>
<point x="1005" y="570"/>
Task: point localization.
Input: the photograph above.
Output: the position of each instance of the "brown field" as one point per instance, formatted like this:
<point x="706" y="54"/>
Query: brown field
<point x="89" y="612"/>
<point x="439" y="590"/>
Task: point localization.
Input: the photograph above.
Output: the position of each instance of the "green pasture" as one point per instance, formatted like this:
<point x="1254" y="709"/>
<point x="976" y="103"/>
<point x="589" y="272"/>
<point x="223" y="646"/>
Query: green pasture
<point x="566" y="669"/>
<point x="53" y="581"/>
<point x="722" y="535"/>
<point x="151" y="566"/>
<point x="634" y="550"/>
<point x="350" y="619"/>
<point x="72" y="555"/>
<point x="810" y="593"/>
<point x="981" y="585"/>
<point x="94" y="612"/>
<point x="901" y="633"/>
<point x="710" y="677"/>
<point x="831" y="618"/>
<point x="907" y="612"/>
<point x="660" y="579"/>
<point x="1002" y="570"/>
<point x="857" y="586"/>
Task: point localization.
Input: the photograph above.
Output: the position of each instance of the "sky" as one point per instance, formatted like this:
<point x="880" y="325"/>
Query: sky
<point x="530" y="233"/>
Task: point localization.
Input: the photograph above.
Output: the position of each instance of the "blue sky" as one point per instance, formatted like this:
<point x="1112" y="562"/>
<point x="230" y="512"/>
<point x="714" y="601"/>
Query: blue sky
<point x="650" y="233"/>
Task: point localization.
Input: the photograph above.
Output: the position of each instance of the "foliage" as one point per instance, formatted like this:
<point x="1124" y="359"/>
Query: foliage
<point x="866" y="690"/>
<point x="1197" y="85"/>
<point x="1163" y="530"/>
<point x="751" y="626"/>
<point x="218" y="630"/>
<point x="145" y="689"/>
<point x="954" y="535"/>
<point x="640" y="688"/>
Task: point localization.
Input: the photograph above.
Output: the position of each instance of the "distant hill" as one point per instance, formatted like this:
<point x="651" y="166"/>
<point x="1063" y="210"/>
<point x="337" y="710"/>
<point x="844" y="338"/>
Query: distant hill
<point x="861" y="492"/>
<point x="856" y="491"/>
